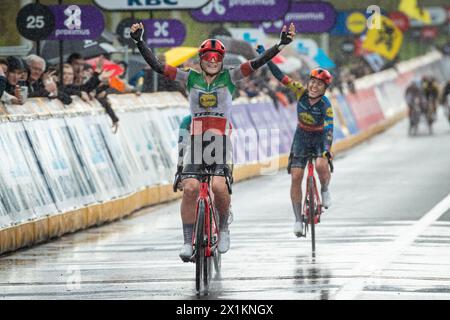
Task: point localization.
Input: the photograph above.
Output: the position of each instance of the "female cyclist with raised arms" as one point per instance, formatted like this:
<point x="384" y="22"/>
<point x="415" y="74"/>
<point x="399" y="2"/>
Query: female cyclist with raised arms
<point x="210" y="94"/>
<point x="314" y="134"/>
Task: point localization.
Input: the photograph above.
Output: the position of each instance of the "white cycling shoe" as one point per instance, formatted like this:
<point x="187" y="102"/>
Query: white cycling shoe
<point x="298" y="229"/>
<point x="326" y="199"/>
<point x="224" y="241"/>
<point x="186" y="252"/>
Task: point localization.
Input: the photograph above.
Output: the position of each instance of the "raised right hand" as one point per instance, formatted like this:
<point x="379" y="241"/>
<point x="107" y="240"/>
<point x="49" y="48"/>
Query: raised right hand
<point x="137" y="32"/>
<point x="286" y="36"/>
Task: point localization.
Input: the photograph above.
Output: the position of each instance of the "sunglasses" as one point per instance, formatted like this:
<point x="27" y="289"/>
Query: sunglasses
<point x="210" y="55"/>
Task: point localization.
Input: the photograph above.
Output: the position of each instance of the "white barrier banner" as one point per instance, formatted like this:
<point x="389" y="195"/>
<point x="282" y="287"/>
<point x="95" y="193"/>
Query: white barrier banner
<point x="43" y="203"/>
<point x="16" y="185"/>
<point x="154" y="131"/>
<point x="23" y="191"/>
<point x="170" y="128"/>
<point x="5" y="219"/>
<point x="119" y="158"/>
<point x="64" y="174"/>
<point x="94" y="157"/>
<point x="140" y="148"/>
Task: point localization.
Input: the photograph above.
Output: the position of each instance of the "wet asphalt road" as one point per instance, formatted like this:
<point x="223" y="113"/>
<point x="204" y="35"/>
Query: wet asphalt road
<point x="386" y="236"/>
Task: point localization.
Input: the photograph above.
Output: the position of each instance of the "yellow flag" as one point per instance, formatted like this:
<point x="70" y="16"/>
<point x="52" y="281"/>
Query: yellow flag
<point x="179" y="55"/>
<point x="412" y="10"/>
<point x="386" y="40"/>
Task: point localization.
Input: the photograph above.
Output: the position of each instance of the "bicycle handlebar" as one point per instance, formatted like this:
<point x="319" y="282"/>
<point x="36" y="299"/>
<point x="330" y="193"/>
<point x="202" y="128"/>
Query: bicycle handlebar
<point x="203" y="175"/>
<point x="313" y="156"/>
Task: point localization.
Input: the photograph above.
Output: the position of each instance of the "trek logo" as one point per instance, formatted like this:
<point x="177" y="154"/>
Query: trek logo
<point x="73" y="20"/>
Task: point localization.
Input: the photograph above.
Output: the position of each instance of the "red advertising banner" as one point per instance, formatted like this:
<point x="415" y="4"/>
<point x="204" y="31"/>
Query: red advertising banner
<point x="400" y="19"/>
<point x="365" y="107"/>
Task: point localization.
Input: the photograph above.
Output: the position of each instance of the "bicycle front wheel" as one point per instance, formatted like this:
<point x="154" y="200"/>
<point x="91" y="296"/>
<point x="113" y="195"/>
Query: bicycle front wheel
<point x="312" y="211"/>
<point x="199" y="246"/>
<point x="217" y="254"/>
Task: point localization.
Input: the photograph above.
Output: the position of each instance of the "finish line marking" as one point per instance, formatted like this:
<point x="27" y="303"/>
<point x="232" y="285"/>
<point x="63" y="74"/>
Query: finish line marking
<point x="373" y="266"/>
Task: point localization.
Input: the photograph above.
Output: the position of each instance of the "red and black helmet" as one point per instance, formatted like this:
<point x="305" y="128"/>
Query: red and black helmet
<point x="321" y="74"/>
<point x="212" y="45"/>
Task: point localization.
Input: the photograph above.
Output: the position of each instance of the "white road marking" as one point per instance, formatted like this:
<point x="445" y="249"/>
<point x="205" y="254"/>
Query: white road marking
<point x="372" y="267"/>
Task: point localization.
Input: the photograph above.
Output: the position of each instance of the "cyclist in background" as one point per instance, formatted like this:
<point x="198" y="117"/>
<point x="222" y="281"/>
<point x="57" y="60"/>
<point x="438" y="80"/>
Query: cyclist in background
<point x="314" y="134"/>
<point x="431" y="91"/>
<point x="210" y="94"/>
<point x="415" y="101"/>
<point x="445" y="100"/>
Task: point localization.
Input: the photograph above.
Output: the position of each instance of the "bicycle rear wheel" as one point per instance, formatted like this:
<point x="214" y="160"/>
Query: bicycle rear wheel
<point x="199" y="247"/>
<point x="312" y="211"/>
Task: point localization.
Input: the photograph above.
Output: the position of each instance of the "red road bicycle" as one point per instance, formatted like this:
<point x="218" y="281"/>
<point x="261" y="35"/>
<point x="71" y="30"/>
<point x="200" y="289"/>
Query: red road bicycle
<point x="312" y="207"/>
<point x="205" y="238"/>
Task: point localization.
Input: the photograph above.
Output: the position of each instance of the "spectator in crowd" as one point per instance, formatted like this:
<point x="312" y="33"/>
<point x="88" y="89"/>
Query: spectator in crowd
<point x="163" y="83"/>
<point x="120" y="83"/>
<point x="40" y="83"/>
<point x="2" y="81"/>
<point x="16" y="68"/>
<point x="93" y="87"/>
<point x="101" y="96"/>
<point x="36" y="65"/>
<point x="77" y="62"/>
<point x="88" y="72"/>
<point x="3" y="71"/>
<point x="14" y="92"/>
<point x="68" y="83"/>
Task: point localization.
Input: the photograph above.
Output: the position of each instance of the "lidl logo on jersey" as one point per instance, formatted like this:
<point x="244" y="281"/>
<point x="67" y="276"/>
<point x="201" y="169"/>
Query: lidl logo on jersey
<point x="306" y="118"/>
<point x="330" y="112"/>
<point x="207" y="100"/>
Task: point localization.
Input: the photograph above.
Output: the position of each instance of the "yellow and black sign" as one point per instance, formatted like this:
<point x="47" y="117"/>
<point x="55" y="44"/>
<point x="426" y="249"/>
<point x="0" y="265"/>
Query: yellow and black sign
<point x="207" y="100"/>
<point x="386" y="40"/>
<point x="412" y="9"/>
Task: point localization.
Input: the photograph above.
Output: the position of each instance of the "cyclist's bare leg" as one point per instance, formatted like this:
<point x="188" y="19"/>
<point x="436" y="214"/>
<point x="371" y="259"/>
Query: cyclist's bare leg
<point x="222" y="200"/>
<point x="323" y="171"/>
<point x="191" y="188"/>
<point x="296" y="191"/>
